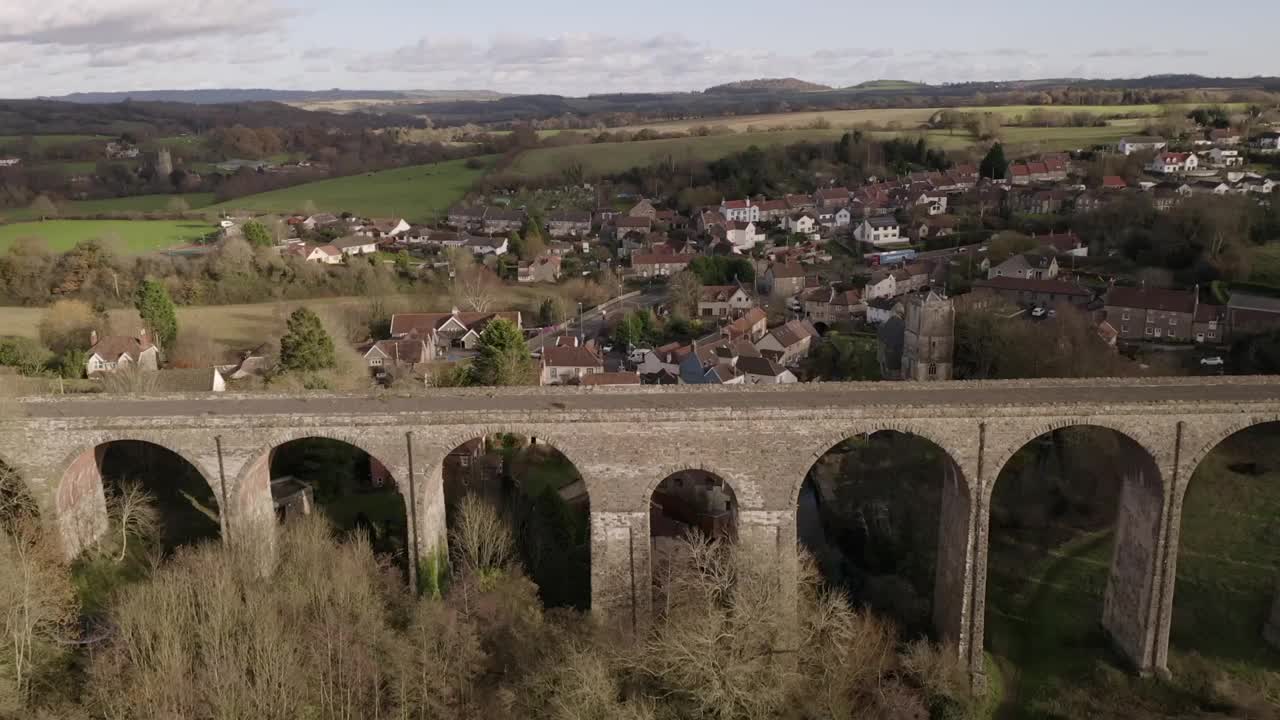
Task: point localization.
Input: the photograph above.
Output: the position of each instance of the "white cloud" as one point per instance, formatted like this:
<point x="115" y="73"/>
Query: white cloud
<point x="98" y="23"/>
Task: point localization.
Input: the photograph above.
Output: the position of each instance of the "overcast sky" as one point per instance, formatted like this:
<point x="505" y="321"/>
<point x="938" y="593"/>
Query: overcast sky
<point x="52" y="47"/>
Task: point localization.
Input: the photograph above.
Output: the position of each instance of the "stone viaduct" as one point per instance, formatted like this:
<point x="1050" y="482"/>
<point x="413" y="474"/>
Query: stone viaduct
<point x="625" y="441"/>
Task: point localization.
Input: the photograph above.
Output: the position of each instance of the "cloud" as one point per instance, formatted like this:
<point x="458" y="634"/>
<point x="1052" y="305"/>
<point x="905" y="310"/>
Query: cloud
<point x="1139" y="53"/>
<point x="99" y="23"/>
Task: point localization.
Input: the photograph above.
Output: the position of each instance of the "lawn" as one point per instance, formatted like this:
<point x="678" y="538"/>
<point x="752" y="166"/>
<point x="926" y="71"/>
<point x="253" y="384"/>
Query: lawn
<point x="418" y="194"/>
<point x="1264" y="264"/>
<point x="126" y="237"/>
<point x="136" y="203"/>
<point x="605" y="158"/>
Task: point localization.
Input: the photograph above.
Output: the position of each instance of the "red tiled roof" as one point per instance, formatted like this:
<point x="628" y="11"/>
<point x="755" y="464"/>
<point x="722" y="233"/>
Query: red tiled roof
<point x="1114" y="181"/>
<point x="425" y="323"/>
<point x="574" y="357"/>
<point x="1182" y="301"/>
<point x="718" y="293"/>
<point x="111" y="347"/>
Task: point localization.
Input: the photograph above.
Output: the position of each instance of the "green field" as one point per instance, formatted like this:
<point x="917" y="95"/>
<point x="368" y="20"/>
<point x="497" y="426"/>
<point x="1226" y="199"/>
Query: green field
<point x="906" y="117"/>
<point x="1043" y="622"/>
<point x="43" y="141"/>
<point x="125" y="237"/>
<point x="418" y="194"/>
<point x="604" y="158"/>
<point x="133" y="204"/>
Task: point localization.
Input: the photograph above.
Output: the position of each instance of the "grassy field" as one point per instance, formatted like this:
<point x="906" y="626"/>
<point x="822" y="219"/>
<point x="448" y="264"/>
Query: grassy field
<point x="136" y="203"/>
<point x="605" y="158"/>
<point x="126" y="237"/>
<point x="1043" y="625"/>
<point x="418" y="193"/>
<point x="50" y="140"/>
<point x="907" y="117"/>
<point x="1264" y="264"/>
<point x="617" y="157"/>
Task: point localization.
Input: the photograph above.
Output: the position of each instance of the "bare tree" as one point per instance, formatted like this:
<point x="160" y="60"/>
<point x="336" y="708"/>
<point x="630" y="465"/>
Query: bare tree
<point x="684" y="292"/>
<point x="476" y="287"/>
<point x="133" y="512"/>
<point x="37" y="610"/>
<point x="482" y="541"/>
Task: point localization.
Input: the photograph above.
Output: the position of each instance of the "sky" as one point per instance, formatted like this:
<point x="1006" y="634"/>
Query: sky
<point x="53" y="47"/>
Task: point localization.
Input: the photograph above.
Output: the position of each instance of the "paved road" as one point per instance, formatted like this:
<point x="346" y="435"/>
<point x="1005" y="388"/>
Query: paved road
<point x="595" y="321"/>
<point x="1261" y="393"/>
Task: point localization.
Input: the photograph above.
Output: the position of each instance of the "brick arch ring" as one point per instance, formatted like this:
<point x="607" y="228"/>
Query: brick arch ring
<point x="286" y="437"/>
<point x="99" y="440"/>
<point x="829" y="440"/>
<point x="1037" y="431"/>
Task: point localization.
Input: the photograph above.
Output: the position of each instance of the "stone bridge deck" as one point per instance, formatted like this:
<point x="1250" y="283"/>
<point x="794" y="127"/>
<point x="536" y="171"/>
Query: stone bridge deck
<point x="624" y="441"/>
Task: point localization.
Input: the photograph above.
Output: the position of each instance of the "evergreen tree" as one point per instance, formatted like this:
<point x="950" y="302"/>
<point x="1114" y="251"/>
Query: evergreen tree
<point x="156" y="308"/>
<point x="502" y="356"/>
<point x="994" y="166"/>
<point x="306" y="346"/>
<point x="257" y="234"/>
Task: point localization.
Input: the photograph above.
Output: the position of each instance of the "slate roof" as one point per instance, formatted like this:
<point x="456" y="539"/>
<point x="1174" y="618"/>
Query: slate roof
<point x="1181" y="301"/>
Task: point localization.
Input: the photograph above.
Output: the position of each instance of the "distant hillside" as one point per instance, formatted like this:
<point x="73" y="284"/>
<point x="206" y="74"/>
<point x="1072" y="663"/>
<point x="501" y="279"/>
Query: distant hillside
<point x="241" y="95"/>
<point x="768" y="85"/>
<point x="889" y="85"/>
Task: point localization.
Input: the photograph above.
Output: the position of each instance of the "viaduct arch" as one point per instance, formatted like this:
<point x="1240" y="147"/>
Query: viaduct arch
<point x="624" y="441"/>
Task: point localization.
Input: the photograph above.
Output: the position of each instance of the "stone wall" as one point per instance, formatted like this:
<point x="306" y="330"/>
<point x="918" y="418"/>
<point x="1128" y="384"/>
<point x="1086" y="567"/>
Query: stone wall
<point x="761" y="441"/>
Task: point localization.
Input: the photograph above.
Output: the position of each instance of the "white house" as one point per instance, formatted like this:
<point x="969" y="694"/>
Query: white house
<point x="356" y="245"/>
<point x="724" y="301"/>
<point x="323" y="254"/>
<point x="487" y="245"/>
<point x="881" y="285"/>
<point x="879" y="230"/>
<point x="803" y="223"/>
<point x="740" y="210"/>
<point x="9" y="162"/>
<point x="1131" y="145"/>
<point x="842" y="217"/>
<point x="114" y="352"/>
<point x="1170" y="162"/>
<point x="937" y="204"/>
<point x="763" y="371"/>
<point x="743" y="235"/>
<point x="564" y="365"/>
<point x="1223" y="157"/>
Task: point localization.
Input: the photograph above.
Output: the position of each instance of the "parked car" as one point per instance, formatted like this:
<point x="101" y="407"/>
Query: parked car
<point x="1038" y="313"/>
<point x="1212" y="362"/>
<point x="638" y="355"/>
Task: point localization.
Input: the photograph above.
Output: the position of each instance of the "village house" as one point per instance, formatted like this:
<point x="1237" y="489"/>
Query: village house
<point x="831" y="198"/>
<point x="1250" y="314"/>
<point x="882" y="284"/>
<point x="383" y="229"/>
<point x="320" y="220"/>
<point x="1222" y="157"/>
<point x="1036" y="202"/>
<point x="1173" y="162"/>
<point x="355" y="245"/>
<point x="1067" y="243"/>
<point x="486" y="245"/>
<point x="569" y="223"/>
<point x="10" y="162"/>
<point x="1224" y="136"/>
<point x="760" y="370"/>
<point x="714" y="362"/>
<point x="803" y="223"/>
<point x="1028" y="266"/>
<point x="773" y="210"/>
<point x="310" y="252"/>
<point x="789" y="343"/>
<point x="115" y="352"/>
<point x="827" y="305"/>
<point x="651" y="265"/>
<point x="751" y="326"/>
<point x="739" y="210"/>
<point x="408" y="354"/>
<point x="1131" y="145"/>
<point x="1026" y="292"/>
<point x="1152" y="313"/>
<point x="1110" y="182"/>
<point x="1209" y="325"/>
<point x="644" y="209"/>
<point x="1268" y="142"/>
<point x="799" y="202"/>
<point x="498" y="221"/>
<point x="782" y="280"/>
<point x="545" y="269"/>
<point x="879" y="230"/>
<point x="724" y="301"/>
<point x="624" y="224"/>
<point x="569" y="364"/>
<point x="451" y="330"/>
<point x="743" y="235"/>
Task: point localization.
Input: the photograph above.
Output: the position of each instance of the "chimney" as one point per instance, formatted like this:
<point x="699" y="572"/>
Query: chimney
<point x="454" y="311"/>
<point x="93" y="338"/>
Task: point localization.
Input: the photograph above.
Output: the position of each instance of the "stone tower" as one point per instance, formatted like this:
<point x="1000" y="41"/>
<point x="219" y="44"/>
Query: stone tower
<point x="164" y="163"/>
<point x="929" y="337"/>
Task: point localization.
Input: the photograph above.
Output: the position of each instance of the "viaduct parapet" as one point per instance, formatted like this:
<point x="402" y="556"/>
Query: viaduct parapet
<point x="624" y="441"/>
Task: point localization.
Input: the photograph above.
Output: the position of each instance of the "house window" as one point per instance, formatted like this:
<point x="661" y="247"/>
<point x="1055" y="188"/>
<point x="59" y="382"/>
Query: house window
<point x="1149" y="330"/>
<point x="1213" y="324"/>
<point x="933" y="369"/>
<point x="1212" y="335"/>
<point x="1173" y="321"/>
<point x="465" y="461"/>
<point x="1124" y="316"/>
<point x="1124" y="328"/>
<point x="375" y="361"/>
